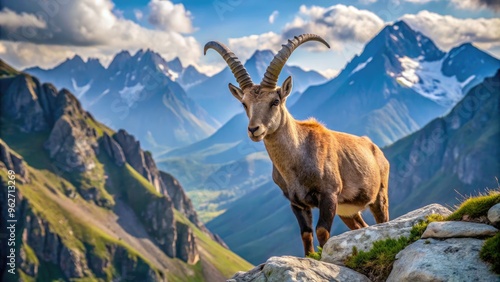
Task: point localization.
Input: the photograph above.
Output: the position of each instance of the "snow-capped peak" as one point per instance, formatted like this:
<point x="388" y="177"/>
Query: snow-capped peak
<point x="427" y="79"/>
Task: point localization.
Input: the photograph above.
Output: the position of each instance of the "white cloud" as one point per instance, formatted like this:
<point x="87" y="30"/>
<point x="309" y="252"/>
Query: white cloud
<point x="273" y="16"/>
<point x="338" y="24"/>
<point x="12" y="20"/>
<point x="341" y="26"/>
<point x="138" y="14"/>
<point x="447" y="31"/>
<point x="91" y="28"/>
<point x="477" y="4"/>
<point x="167" y="16"/>
<point x="245" y="46"/>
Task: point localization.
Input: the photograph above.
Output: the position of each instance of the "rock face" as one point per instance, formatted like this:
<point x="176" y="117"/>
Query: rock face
<point x="449" y="260"/>
<point x="138" y="159"/>
<point x="181" y="201"/>
<point x="25" y="106"/>
<point x="12" y="161"/>
<point x="338" y="248"/>
<point x="288" y="269"/>
<point x="494" y="214"/>
<point x="72" y="145"/>
<point x="186" y="248"/>
<point x="458" y="229"/>
<point x="113" y="149"/>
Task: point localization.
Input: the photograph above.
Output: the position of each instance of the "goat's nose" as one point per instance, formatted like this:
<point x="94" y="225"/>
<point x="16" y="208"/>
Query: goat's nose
<point x="252" y="130"/>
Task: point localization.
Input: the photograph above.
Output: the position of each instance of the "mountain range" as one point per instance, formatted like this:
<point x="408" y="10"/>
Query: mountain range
<point x="451" y="157"/>
<point x="90" y="203"/>
<point x="140" y="92"/>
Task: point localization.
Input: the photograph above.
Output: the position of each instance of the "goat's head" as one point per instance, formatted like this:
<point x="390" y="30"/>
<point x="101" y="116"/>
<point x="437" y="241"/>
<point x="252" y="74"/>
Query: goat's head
<point x="264" y="103"/>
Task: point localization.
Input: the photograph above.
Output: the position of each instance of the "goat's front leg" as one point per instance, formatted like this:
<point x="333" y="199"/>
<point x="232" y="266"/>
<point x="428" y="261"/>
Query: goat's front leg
<point x="304" y="217"/>
<point x="327" y="210"/>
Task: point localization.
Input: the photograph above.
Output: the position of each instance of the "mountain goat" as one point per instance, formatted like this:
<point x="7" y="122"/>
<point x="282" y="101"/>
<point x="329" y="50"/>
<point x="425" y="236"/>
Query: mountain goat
<point x="315" y="167"/>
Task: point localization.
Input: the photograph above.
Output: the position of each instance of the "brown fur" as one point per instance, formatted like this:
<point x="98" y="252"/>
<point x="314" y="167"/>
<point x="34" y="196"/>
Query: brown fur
<point x="317" y="167"/>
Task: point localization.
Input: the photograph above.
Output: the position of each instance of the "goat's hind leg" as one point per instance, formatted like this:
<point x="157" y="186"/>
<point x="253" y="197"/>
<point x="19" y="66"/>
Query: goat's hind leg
<point x="380" y="208"/>
<point x="304" y="218"/>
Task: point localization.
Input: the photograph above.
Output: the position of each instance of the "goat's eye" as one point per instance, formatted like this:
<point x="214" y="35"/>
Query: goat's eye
<point x="275" y="102"/>
<point x="244" y="105"/>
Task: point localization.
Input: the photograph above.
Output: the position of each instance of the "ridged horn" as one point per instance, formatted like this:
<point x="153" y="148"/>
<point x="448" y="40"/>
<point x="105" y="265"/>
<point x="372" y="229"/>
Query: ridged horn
<point x="237" y="68"/>
<point x="274" y="69"/>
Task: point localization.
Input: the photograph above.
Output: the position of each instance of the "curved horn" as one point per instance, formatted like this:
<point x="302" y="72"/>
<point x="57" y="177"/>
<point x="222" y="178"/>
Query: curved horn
<point x="239" y="71"/>
<point x="273" y="70"/>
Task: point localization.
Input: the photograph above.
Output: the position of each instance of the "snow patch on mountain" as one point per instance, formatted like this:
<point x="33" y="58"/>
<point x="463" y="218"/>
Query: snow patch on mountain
<point x="131" y="94"/>
<point x="427" y="79"/>
<point x="79" y="91"/>
<point x="362" y="65"/>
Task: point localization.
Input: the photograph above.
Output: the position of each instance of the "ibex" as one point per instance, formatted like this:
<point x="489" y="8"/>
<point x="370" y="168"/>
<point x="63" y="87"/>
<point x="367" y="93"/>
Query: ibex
<point x="315" y="167"/>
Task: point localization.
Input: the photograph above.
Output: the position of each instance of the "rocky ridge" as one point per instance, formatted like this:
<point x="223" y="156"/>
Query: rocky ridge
<point x="454" y="257"/>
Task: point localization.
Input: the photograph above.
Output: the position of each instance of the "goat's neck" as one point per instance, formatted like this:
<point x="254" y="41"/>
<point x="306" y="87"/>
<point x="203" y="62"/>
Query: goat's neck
<point x="284" y="141"/>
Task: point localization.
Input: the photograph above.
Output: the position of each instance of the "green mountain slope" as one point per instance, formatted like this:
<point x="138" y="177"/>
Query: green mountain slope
<point x="90" y="204"/>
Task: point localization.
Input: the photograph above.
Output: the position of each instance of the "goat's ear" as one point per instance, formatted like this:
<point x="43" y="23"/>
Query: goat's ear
<point x="237" y="93"/>
<point x="286" y="88"/>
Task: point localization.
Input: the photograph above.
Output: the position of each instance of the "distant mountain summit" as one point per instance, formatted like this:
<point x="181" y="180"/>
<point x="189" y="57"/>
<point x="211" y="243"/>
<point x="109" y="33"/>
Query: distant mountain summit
<point x="140" y="92"/>
<point x="213" y="94"/>
<point x="397" y="84"/>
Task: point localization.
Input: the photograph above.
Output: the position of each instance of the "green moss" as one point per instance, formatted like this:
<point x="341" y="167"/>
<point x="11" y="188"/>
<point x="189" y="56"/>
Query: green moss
<point x="377" y="262"/>
<point x="316" y="255"/>
<point x="476" y="207"/>
<point x="490" y="252"/>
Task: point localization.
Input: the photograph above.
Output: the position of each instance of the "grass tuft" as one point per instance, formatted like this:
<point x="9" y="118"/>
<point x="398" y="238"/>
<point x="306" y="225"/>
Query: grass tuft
<point x="476" y="207"/>
<point x="316" y="255"/>
<point x="377" y="262"/>
<point x="490" y="252"/>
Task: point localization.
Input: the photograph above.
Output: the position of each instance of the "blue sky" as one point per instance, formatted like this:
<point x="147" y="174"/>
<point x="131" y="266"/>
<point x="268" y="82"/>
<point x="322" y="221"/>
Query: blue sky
<point x="33" y="34"/>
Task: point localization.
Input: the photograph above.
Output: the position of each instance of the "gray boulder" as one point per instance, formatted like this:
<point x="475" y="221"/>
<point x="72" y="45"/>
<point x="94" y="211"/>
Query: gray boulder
<point x="292" y="269"/>
<point x="494" y="214"/>
<point x="338" y="248"/>
<point x="458" y="229"/>
<point x="455" y="259"/>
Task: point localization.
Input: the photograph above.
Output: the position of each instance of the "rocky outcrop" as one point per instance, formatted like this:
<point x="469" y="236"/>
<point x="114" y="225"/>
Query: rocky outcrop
<point x="141" y="161"/>
<point x="12" y="161"/>
<point x="458" y="229"/>
<point x="113" y="149"/>
<point x="21" y="103"/>
<point x="186" y="247"/>
<point x="179" y="198"/>
<point x="288" y="269"/>
<point x="494" y="215"/>
<point x="72" y="146"/>
<point x="158" y="218"/>
<point x="338" y="248"/>
<point x="442" y="260"/>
